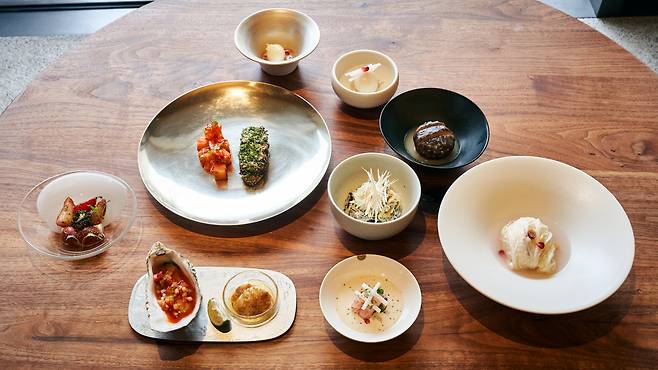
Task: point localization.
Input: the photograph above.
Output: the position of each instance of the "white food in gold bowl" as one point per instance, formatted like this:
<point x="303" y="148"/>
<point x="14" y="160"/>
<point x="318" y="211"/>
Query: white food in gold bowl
<point x="275" y="53"/>
<point x="528" y="245"/>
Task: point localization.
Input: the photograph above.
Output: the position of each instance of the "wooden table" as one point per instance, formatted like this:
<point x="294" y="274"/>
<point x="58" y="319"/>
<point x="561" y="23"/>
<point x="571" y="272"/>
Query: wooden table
<point x="549" y="85"/>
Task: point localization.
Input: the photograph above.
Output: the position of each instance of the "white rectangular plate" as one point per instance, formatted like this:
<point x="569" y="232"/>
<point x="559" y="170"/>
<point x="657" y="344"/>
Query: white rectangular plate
<point x="211" y="281"/>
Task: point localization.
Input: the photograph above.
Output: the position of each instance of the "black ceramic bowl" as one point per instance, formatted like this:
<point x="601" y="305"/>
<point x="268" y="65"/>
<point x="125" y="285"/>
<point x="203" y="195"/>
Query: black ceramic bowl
<point x="410" y="109"/>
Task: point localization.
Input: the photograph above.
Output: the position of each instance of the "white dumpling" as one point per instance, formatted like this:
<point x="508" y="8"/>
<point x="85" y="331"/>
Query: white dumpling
<point x="528" y="244"/>
<point x="275" y="53"/>
<point x="366" y="83"/>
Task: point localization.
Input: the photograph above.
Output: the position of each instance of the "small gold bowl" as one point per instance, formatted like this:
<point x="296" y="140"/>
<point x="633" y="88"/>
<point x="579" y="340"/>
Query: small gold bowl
<point x="290" y="28"/>
<point x="257" y="279"/>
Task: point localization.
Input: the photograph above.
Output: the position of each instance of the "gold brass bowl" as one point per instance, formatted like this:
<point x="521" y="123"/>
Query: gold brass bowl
<point x="300" y="151"/>
<point x="290" y="28"/>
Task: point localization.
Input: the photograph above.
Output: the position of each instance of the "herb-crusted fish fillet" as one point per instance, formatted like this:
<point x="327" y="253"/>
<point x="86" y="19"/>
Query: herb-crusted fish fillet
<point x="254" y="155"/>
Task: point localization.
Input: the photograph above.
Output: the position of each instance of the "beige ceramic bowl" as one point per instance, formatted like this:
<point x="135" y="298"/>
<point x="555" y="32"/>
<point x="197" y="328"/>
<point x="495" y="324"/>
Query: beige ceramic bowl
<point x="350" y="174"/>
<point x="596" y="239"/>
<point x="333" y="286"/>
<point x="387" y="74"/>
<point x="291" y="29"/>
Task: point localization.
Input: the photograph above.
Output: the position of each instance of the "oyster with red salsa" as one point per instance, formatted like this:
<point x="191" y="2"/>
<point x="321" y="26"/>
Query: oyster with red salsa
<point x="173" y="296"/>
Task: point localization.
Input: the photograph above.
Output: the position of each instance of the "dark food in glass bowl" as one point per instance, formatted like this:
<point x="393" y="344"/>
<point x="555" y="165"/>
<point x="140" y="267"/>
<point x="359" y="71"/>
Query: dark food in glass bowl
<point x="433" y="140"/>
<point x="82" y="224"/>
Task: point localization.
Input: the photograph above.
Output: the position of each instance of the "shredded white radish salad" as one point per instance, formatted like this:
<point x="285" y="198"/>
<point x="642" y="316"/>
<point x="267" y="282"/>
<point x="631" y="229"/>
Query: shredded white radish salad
<point x="374" y="201"/>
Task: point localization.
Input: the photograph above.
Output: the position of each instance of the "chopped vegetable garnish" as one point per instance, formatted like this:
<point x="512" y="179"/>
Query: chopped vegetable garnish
<point x="375" y="200"/>
<point x="353" y="75"/>
<point x="363" y="304"/>
<point x="214" y="152"/>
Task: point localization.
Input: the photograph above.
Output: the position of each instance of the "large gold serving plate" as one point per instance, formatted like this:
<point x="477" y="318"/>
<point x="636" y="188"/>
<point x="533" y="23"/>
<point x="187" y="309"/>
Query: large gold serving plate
<point x="300" y="151"/>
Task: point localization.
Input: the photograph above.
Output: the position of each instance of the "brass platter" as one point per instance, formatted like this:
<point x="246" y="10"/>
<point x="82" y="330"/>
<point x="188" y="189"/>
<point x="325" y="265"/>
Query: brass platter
<point x="300" y="151"/>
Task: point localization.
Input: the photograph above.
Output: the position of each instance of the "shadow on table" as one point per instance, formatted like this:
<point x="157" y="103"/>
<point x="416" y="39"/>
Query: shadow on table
<point x="172" y="351"/>
<point x="548" y="331"/>
<point x="367" y="114"/>
<point x="293" y="81"/>
<point x="369" y="352"/>
<point x="434" y="186"/>
<point x="261" y="227"/>
<point x="395" y="247"/>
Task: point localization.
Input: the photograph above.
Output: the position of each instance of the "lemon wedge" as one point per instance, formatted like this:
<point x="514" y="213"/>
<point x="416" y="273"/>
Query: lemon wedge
<point x="217" y="317"/>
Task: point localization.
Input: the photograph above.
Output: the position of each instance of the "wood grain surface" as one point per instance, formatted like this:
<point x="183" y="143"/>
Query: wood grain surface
<point x="549" y="85"/>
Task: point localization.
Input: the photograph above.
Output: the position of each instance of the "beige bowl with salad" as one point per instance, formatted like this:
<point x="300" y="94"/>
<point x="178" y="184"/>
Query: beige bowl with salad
<point x="373" y="196"/>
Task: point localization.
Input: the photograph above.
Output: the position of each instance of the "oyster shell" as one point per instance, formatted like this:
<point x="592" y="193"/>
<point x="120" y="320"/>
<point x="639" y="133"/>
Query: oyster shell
<point x="159" y="254"/>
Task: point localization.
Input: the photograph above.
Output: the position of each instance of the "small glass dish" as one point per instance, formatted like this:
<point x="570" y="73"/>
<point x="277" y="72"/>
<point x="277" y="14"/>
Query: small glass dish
<point x="38" y="211"/>
<point x="258" y="279"/>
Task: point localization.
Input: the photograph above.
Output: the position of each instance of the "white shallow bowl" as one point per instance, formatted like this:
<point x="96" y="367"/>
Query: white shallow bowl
<point x="370" y="264"/>
<point x="289" y="28"/>
<point x="387" y="73"/>
<point x="350" y="174"/>
<point x="595" y="236"/>
<point x="39" y="209"/>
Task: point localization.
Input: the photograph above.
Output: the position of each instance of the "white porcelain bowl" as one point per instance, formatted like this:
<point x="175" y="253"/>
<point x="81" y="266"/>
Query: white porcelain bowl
<point x="387" y="74"/>
<point x="595" y="236"/>
<point x="353" y="269"/>
<point x="289" y="28"/>
<point x="350" y="174"/>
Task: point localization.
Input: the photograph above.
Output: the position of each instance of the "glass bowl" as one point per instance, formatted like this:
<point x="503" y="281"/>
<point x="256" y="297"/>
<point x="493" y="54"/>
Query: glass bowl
<point x="38" y="211"/>
<point x="258" y="279"/>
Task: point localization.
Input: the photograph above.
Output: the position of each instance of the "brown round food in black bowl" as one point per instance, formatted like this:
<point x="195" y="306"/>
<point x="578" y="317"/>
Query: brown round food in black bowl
<point x="433" y="140"/>
<point x="435" y="128"/>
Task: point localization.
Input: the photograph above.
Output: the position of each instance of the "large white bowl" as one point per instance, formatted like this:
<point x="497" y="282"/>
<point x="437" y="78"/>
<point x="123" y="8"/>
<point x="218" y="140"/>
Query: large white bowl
<point x="597" y="244"/>
<point x="370" y="264"/>
<point x="350" y="174"/>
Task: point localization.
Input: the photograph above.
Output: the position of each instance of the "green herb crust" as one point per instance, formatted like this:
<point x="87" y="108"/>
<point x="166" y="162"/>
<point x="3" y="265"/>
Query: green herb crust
<point x="81" y="219"/>
<point x="254" y="155"/>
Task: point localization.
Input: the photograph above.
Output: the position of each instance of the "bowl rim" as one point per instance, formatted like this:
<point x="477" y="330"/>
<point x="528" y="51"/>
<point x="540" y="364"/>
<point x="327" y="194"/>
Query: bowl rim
<point x="405" y="165"/>
<point x="296" y="59"/>
<point x="396" y="75"/>
<point x="96" y="250"/>
<point x="579" y="172"/>
<point x="444" y="166"/>
<point x="413" y="279"/>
